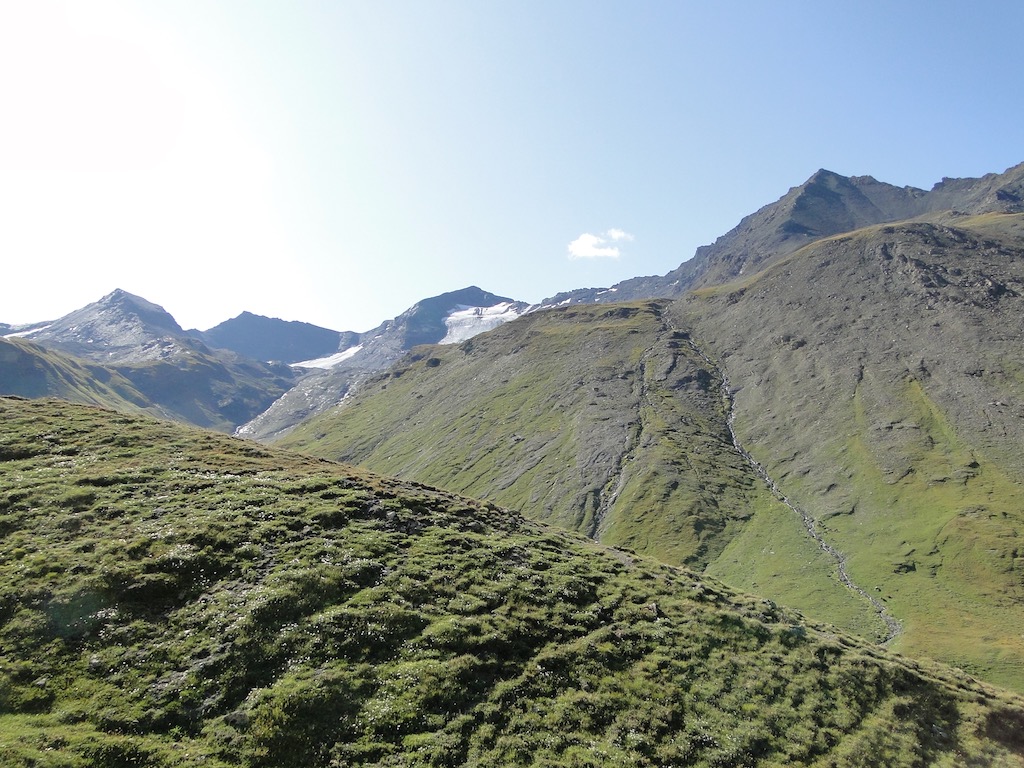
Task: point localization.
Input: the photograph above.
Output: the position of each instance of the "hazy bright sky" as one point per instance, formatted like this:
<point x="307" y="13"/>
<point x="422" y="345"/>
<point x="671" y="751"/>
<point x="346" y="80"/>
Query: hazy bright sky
<point x="335" y="162"/>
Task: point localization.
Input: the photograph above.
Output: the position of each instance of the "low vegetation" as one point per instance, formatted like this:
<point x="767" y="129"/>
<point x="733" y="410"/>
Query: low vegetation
<point x="601" y="419"/>
<point x="890" y="408"/>
<point x="175" y="597"/>
<point x="877" y="375"/>
<point x="544" y="416"/>
<point x="29" y="370"/>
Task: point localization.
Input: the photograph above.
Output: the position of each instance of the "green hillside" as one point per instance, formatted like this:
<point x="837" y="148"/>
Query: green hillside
<point x="29" y="370"/>
<point x="579" y="414"/>
<point x="209" y="388"/>
<point x="601" y="419"/>
<point x="176" y="597"/>
<point x="890" y="406"/>
<point x="875" y="376"/>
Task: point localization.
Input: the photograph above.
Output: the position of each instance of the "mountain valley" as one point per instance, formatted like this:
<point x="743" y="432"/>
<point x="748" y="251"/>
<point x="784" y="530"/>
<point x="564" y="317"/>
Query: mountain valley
<point x="801" y="450"/>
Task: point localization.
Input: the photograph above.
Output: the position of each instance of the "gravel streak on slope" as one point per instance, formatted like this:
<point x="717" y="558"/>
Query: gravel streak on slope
<point x="618" y="477"/>
<point x="893" y="625"/>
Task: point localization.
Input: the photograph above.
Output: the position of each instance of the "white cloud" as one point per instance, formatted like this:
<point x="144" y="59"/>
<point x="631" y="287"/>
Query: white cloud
<point x="588" y="246"/>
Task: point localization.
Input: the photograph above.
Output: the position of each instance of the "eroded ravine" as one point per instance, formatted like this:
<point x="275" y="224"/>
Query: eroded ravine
<point x="617" y="478"/>
<point x="892" y="624"/>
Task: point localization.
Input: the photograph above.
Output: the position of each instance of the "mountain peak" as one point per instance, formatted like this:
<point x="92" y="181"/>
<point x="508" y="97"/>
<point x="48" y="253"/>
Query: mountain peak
<point x="123" y="299"/>
<point x="469" y="296"/>
<point x="120" y="326"/>
<point x="136" y="307"/>
<point x="994" y="192"/>
<point x="425" y="322"/>
<point x="824" y="175"/>
<point x="269" y="338"/>
<point x="119" y="294"/>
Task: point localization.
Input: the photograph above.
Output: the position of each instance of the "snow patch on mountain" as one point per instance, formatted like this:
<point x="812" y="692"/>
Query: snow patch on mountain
<point x="464" y="322"/>
<point x="331" y="360"/>
<point x="27" y="333"/>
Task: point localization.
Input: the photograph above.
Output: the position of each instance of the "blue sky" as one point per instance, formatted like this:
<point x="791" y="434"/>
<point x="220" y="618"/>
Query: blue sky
<point x="335" y="162"/>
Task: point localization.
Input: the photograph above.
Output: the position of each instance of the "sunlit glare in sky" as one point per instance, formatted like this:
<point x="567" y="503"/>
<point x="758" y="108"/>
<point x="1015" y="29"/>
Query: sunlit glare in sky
<point x="337" y="162"/>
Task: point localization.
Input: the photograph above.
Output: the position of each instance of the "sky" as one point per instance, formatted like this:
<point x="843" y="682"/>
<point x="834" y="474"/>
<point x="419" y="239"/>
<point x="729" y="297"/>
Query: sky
<point x="336" y="161"/>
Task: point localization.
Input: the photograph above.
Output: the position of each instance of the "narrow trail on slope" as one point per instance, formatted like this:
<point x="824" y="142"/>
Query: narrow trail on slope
<point x="893" y="625"/>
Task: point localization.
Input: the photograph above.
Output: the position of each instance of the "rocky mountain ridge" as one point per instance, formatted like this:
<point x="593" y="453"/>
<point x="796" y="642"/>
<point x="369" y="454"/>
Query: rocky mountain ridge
<point x="123" y="329"/>
<point x="270" y="339"/>
<point x="119" y="328"/>
<point x="160" y="367"/>
<point x="216" y="378"/>
<point x="824" y="205"/>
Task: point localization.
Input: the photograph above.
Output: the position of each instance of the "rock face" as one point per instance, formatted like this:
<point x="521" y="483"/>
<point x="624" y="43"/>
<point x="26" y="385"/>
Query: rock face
<point x="829" y="204"/>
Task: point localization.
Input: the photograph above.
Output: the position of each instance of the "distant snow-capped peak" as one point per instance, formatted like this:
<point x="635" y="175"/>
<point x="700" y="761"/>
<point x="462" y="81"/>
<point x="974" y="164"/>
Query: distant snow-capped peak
<point x="460" y="323"/>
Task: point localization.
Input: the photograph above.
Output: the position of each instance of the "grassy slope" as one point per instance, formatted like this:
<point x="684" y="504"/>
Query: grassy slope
<point x="889" y="406"/>
<point x="539" y="417"/>
<point x="174" y="597"/>
<point x="599" y="419"/>
<point x="891" y="410"/>
<point x="29" y="370"/>
<point x="219" y="389"/>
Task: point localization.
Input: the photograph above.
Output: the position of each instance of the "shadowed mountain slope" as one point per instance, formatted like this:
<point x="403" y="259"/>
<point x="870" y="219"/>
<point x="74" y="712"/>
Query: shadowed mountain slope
<point x="268" y="338"/>
<point x="210" y="388"/>
<point x="171" y="597"/>
<point x="29" y="370"/>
